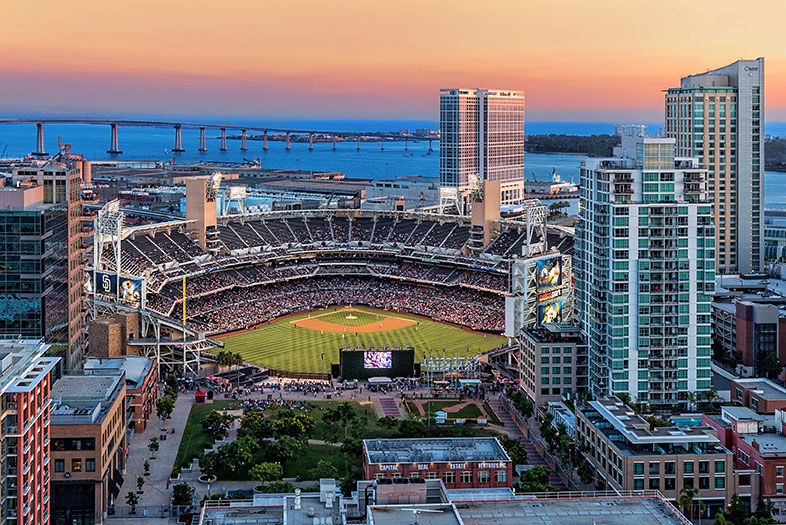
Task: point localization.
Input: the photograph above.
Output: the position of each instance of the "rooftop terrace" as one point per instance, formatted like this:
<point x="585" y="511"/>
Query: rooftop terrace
<point x="433" y="450"/>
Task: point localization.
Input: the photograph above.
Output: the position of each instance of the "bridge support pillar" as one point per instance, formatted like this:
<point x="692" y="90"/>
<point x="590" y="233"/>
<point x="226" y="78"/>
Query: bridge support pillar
<point x="223" y="139"/>
<point x="287" y="146"/>
<point x="357" y="142"/>
<point x="39" y="140"/>
<point x="243" y="139"/>
<point x="310" y="142"/>
<point x="381" y="144"/>
<point x="264" y="141"/>
<point x="429" y="146"/>
<point x="202" y="141"/>
<point x="114" y="147"/>
<point x="178" y="140"/>
<point x="406" y="144"/>
<point x="334" y="143"/>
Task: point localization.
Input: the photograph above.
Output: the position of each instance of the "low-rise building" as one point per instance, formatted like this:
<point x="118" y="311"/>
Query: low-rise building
<point x="553" y="362"/>
<point x="629" y="454"/>
<point x="88" y="445"/>
<point x="141" y="385"/>
<point x="759" y="394"/>
<point x="25" y="383"/>
<point x="458" y="462"/>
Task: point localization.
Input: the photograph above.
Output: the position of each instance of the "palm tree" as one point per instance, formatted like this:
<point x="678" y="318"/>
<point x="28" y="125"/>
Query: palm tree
<point x="710" y="395"/>
<point x="237" y="360"/>
<point x="686" y="500"/>
<point x="691" y="400"/>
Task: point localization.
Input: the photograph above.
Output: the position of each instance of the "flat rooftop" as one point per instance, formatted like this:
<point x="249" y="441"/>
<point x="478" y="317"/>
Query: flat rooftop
<point x="84" y="388"/>
<point x="763" y="388"/>
<point x="554" y="333"/>
<point x="768" y="444"/>
<point x="579" y="511"/>
<point x="433" y="450"/>
<point x="135" y="367"/>
<point x="638" y="431"/>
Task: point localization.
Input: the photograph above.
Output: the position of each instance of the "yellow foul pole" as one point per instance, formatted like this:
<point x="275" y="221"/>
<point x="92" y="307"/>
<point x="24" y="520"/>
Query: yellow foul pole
<point x="184" y="304"/>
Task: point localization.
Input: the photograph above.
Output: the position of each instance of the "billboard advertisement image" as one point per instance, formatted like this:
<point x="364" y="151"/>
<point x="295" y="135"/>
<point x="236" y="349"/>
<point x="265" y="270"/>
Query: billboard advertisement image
<point x="377" y="359"/>
<point x="550" y="313"/>
<point x="549" y="272"/>
<point x="107" y="284"/>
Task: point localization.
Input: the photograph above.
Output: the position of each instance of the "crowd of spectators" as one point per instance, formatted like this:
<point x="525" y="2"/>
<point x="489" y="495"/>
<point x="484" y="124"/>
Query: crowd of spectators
<point x="237" y="309"/>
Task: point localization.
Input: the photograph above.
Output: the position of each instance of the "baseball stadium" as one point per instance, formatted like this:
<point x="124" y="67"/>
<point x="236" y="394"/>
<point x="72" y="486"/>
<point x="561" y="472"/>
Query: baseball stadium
<point x="288" y="290"/>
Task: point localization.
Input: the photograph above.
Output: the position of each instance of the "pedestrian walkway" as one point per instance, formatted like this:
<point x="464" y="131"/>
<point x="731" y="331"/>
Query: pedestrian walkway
<point x="389" y="407"/>
<point x="510" y="426"/>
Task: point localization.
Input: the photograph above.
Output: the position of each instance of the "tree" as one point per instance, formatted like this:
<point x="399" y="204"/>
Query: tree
<point x="686" y="499"/>
<point x="548" y="432"/>
<point x="132" y="500"/>
<point x="182" y="494"/>
<point x="146" y="466"/>
<point x="209" y="464"/>
<point x="536" y="479"/>
<point x="140" y="482"/>
<point x="340" y="414"/>
<point x="164" y="409"/>
<point x="516" y="451"/>
<point x="237" y="360"/>
<point x="284" y="448"/>
<point x="153" y="446"/>
<point x="323" y="469"/>
<point x="624" y="397"/>
<point x="764" y="508"/>
<point x="289" y="423"/>
<point x="409" y="428"/>
<point x="771" y="367"/>
<point x="735" y="512"/>
<point x="352" y="446"/>
<point x="265" y="472"/>
<point x="172" y="387"/>
<point x="710" y="395"/>
<point x="254" y="424"/>
<point x="217" y="424"/>
<point x="238" y="455"/>
<point x="586" y="472"/>
<point x="691" y="400"/>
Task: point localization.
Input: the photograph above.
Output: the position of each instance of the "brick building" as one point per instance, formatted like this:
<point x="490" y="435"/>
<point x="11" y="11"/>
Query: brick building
<point x="459" y="462"/>
<point x="759" y="394"/>
<point x="141" y="385"/>
<point x="88" y="446"/>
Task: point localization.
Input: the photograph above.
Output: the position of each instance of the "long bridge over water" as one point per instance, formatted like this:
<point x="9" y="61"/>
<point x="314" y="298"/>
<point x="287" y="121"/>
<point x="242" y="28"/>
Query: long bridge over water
<point x="286" y="134"/>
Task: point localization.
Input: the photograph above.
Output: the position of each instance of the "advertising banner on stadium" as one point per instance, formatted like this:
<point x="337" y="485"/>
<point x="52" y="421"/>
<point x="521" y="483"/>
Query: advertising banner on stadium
<point x="550" y="313"/>
<point x="549" y="272"/>
<point x="107" y="284"/>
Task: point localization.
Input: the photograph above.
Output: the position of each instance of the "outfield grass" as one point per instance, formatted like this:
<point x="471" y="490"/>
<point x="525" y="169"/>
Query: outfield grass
<point x="283" y="346"/>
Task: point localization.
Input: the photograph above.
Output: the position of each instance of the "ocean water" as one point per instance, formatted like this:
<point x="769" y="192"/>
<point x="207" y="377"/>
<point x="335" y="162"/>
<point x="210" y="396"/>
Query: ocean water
<point x="17" y="140"/>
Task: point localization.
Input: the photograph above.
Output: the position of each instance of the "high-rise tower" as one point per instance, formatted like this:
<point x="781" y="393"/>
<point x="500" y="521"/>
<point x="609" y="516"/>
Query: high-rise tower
<point x="644" y="266"/>
<point x="482" y="138"/>
<point x="718" y="117"/>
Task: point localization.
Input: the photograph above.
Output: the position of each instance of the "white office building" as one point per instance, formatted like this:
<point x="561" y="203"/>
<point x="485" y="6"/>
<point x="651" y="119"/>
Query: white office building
<point x="482" y="138"/>
<point x="645" y="266"/>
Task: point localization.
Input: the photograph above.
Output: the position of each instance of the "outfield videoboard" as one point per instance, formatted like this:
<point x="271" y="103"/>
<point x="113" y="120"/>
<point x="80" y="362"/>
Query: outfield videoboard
<point x="362" y="363"/>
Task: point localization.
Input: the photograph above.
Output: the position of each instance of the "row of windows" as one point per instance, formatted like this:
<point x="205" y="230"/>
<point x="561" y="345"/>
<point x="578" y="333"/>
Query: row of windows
<point x="77" y="465"/>
<point x="465" y="476"/>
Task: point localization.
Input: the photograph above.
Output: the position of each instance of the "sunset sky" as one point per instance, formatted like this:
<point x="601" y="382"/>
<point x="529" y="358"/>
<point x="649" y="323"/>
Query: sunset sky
<point x="603" y="60"/>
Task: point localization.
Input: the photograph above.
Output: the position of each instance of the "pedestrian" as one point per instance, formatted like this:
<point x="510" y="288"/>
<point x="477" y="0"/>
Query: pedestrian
<point x="167" y="484"/>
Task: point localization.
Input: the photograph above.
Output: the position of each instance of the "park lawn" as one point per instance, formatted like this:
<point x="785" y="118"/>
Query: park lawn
<point x="471" y="411"/>
<point x="281" y="345"/>
<point x="372" y="429"/>
<point x="310" y="456"/>
<point x="195" y="440"/>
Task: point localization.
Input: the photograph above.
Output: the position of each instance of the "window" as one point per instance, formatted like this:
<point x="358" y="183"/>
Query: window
<point x="687" y="482"/>
<point x="687" y="467"/>
<point x="720" y="482"/>
<point x="655" y="483"/>
<point x="501" y="476"/>
<point x="779" y="472"/>
<point x="466" y="476"/>
<point x="432" y="475"/>
<point x="668" y="484"/>
<point x="704" y="482"/>
<point x="638" y="468"/>
<point x="484" y="476"/>
<point x="720" y="466"/>
<point x="704" y="467"/>
<point x="76" y="465"/>
<point x="654" y="467"/>
<point x="90" y="465"/>
<point x="379" y="475"/>
<point x="59" y="465"/>
<point x="638" y="484"/>
<point x="669" y="467"/>
<point x="779" y="488"/>
<point x="414" y="475"/>
<point x="449" y="477"/>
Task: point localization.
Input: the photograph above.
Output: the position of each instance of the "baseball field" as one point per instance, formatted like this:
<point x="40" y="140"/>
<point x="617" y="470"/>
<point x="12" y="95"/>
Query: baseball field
<point x="296" y="342"/>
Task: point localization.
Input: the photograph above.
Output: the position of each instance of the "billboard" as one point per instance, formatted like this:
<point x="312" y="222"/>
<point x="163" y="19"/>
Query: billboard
<point x="550" y="312"/>
<point x="363" y="363"/>
<point x="378" y="359"/>
<point x="108" y="284"/>
<point x="549" y="272"/>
